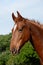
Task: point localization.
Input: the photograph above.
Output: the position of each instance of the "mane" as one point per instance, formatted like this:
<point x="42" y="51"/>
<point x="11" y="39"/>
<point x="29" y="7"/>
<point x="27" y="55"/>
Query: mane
<point x="36" y="23"/>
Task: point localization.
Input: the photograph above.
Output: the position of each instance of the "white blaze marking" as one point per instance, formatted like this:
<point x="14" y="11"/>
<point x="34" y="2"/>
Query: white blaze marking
<point x="15" y="26"/>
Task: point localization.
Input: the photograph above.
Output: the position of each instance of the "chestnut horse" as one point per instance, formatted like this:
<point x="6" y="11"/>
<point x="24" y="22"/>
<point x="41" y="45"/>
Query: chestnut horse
<point x="25" y="30"/>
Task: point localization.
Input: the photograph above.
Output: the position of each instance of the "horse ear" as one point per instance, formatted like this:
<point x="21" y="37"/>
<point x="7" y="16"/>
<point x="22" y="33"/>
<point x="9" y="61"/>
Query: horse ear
<point x="19" y="14"/>
<point x="13" y="16"/>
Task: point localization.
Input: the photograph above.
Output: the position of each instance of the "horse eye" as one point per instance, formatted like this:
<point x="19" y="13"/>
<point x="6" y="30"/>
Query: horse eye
<point x="20" y="30"/>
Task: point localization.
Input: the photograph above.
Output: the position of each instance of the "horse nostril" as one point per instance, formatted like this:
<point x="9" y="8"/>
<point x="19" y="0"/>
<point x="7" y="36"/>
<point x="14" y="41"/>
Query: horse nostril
<point x="14" y="51"/>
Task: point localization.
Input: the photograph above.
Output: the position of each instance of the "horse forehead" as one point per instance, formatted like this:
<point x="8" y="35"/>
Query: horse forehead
<point x="15" y="26"/>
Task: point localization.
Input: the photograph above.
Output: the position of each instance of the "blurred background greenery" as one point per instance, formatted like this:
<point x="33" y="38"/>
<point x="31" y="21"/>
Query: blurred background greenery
<point x="27" y="55"/>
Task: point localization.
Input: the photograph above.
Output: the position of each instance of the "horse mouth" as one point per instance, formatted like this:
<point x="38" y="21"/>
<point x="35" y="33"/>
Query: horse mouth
<point x="16" y="52"/>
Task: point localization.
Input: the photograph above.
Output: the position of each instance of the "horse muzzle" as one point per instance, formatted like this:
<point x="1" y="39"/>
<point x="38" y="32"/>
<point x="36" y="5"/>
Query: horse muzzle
<point x="14" y="51"/>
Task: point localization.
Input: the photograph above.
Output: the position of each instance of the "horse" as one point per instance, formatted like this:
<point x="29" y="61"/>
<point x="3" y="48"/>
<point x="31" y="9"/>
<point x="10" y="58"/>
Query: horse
<point x="25" y="29"/>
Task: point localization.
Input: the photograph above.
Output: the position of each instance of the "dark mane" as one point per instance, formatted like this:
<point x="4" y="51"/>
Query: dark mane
<point x="37" y="23"/>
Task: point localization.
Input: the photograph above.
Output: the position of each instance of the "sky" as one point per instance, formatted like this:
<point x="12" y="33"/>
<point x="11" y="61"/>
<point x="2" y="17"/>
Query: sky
<point x="31" y="9"/>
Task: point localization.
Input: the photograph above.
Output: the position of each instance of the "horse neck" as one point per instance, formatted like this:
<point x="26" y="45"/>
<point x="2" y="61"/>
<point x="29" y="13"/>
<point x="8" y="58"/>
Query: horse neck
<point x="36" y="33"/>
<point x="37" y="37"/>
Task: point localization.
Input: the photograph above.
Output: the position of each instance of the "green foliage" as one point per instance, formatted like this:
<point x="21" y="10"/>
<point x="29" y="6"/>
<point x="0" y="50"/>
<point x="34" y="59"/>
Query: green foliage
<point x="27" y="55"/>
<point x="4" y="42"/>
